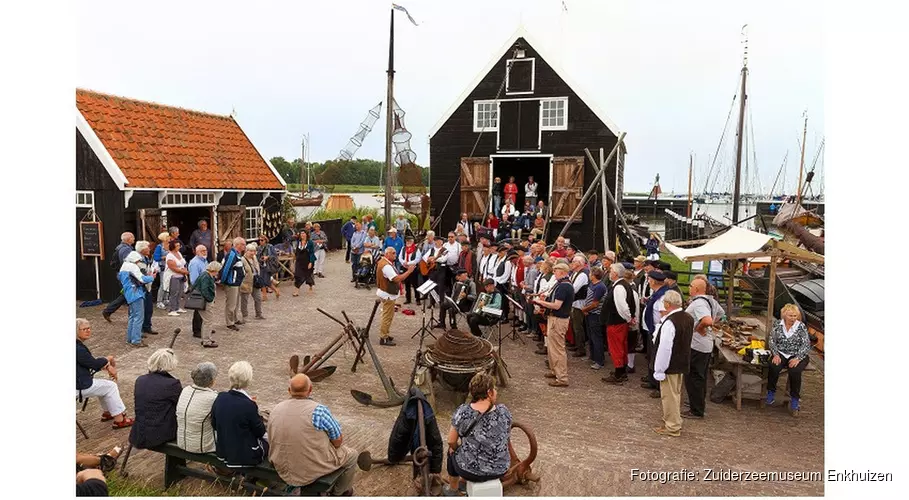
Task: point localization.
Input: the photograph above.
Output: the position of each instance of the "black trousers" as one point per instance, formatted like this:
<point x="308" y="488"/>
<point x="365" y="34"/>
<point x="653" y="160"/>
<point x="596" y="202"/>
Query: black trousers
<point x="115" y="304"/>
<point x="503" y="289"/>
<point x="696" y="381"/>
<point x="197" y="324"/>
<point x="439" y="276"/>
<point x="347" y="252"/>
<point x="648" y="347"/>
<point x="795" y="376"/>
<point x="455" y="471"/>
<point x="411" y="284"/>
<point x="450" y="311"/>
<point x="474" y="321"/>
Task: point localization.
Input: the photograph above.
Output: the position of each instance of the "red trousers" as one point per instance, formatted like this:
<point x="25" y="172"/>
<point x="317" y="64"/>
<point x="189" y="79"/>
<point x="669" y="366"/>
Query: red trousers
<point x="617" y="341"/>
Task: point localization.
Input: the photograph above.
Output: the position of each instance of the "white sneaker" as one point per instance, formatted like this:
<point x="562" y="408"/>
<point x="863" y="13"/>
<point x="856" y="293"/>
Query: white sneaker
<point x="181" y="310"/>
<point x="596" y="366"/>
<point x="161" y="305"/>
<point x="173" y="313"/>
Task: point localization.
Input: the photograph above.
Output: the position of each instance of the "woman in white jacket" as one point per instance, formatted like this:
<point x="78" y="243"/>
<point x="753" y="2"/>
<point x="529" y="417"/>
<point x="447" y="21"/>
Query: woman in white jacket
<point x="195" y="433"/>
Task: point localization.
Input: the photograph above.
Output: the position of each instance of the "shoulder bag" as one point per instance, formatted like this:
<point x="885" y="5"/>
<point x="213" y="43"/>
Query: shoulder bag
<point x="194" y="300"/>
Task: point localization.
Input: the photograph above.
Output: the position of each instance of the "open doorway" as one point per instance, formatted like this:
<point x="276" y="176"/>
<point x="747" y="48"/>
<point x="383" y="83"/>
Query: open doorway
<point x="521" y="168"/>
<point x="187" y="220"/>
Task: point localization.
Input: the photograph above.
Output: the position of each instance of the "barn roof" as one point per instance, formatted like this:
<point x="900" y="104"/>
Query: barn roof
<point x="145" y="145"/>
<point x="553" y="62"/>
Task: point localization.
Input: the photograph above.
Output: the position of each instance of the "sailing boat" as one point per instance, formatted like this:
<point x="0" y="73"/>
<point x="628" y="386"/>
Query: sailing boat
<point x="308" y="197"/>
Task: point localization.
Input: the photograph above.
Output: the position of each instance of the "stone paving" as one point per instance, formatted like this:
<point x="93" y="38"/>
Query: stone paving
<point x="590" y="435"/>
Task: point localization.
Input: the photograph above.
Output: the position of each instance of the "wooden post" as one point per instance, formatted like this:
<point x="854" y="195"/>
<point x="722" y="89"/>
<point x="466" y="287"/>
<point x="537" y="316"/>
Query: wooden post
<point x="389" y="125"/>
<point x="738" y="149"/>
<point x="605" y="207"/>
<point x="615" y="205"/>
<point x="730" y="287"/>
<point x="771" y="295"/>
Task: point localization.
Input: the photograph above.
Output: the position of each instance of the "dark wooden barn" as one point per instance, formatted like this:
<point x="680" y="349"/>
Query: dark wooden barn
<point x="526" y="120"/>
<point x="142" y="167"/>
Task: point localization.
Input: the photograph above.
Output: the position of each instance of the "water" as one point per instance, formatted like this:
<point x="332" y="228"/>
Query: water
<point x="719" y="211"/>
<point x="359" y="199"/>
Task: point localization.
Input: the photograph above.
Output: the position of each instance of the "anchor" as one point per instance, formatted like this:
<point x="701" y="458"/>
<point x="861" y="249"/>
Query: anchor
<point x="395" y="397"/>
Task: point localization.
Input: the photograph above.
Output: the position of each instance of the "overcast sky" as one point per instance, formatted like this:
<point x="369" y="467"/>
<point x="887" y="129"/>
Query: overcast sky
<point x="664" y="71"/>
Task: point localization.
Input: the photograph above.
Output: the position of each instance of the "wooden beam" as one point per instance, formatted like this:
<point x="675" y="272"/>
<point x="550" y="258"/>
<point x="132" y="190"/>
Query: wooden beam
<point x="771" y="294"/>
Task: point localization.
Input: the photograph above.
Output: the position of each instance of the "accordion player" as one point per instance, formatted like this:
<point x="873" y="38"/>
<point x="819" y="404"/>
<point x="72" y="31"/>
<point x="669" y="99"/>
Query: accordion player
<point x="484" y="310"/>
<point x="463" y="295"/>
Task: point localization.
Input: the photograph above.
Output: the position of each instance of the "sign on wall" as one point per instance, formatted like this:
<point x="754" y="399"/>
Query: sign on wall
<point x="91" y="239"/>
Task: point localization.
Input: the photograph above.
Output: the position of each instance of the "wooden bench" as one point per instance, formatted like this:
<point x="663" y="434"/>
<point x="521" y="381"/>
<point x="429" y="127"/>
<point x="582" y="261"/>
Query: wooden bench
<point x="175" y="469"/>
<point x="730" y="357"/>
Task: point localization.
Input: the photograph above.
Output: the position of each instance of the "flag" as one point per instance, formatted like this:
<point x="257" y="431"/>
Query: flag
<point x="402" y="9"/>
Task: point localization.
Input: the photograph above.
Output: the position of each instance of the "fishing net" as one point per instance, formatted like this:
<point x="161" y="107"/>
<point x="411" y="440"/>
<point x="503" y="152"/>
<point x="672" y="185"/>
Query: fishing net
<point x="357" y="140"/>
<point x="410" y="175"/>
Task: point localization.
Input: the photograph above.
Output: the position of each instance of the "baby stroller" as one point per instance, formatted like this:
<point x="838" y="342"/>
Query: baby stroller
<point x="366" y="273"/>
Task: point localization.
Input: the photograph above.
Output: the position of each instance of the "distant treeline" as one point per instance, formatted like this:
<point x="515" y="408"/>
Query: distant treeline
<point x="352" y="172"/>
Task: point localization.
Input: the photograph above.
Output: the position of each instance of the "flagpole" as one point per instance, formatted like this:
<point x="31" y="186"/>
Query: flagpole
<point x="389" y="120"/>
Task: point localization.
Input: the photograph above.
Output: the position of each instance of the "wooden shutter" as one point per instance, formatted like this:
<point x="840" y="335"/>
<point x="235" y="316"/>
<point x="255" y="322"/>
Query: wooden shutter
<point x="567" y="186"/>
<point x="231" y="222"/>
<point x="149" y="226"/>
<point x="474" y="186"/>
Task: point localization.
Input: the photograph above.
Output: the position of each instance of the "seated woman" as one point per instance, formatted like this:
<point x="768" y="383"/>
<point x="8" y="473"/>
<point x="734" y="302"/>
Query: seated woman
<point x="240" y="439"/>
<point x="156" y="394"/>
<point x="789" y="344"/>
<point x="483" y="428"/>
<point x="195" y="433"/>
<point x="87" y="386"/>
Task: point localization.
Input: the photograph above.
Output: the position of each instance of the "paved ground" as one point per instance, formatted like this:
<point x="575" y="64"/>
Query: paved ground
<point x="590" y="435"/>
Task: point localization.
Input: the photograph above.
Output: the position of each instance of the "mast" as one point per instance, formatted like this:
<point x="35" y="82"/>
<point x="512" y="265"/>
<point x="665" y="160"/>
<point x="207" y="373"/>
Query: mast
<point x="798" y="194"/>
<point x="743" y="97"/>
<point x="389" y="118"/>
<point x="302" y="164"/>
<point x="690" y="167"/>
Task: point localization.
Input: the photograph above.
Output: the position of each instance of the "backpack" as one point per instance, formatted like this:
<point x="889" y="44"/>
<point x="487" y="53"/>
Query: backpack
<point x="115" y="262"/>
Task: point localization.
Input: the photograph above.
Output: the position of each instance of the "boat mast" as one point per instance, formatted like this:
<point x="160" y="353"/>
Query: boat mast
<point x="389" y="116"/>
<point x="690" y="167"/>
<point x="302" y="164"/>
<point x="743" y="97"/>
<point x="798" y="194"/>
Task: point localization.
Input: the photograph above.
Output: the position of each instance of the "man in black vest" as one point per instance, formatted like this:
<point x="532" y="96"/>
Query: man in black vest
<point x="672" y="281"/>
<point x="558" y="302"/>
<point x="672" y="348"/>
<point x="463" y="293"/>
<point x="580" y="280"/>
<point x="618" y="310"/>
<point x="502" y="275"/>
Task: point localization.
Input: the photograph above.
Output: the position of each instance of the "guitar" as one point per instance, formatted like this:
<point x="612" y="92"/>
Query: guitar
<point x="427" y="267"/>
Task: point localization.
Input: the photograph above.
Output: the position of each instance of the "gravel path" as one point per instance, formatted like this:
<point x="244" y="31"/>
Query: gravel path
<point x="590" y="435"/>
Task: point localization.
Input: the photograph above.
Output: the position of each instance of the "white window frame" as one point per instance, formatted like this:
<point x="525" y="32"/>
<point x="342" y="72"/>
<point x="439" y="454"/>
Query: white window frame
<point x="188" y="199"/>
<point x="253" y="219"/>
<point x="533" y="76"/>
<point x="564" y="125"/>
<point x="85" y="199"/>
<point x="477" y="126"/>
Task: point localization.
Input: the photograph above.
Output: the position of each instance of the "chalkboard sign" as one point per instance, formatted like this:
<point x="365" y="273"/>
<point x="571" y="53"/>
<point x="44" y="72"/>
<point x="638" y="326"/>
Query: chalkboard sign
<point x="91" y="239"/>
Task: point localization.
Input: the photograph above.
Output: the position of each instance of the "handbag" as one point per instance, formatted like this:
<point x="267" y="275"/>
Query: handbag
<point x="195" y="301"/>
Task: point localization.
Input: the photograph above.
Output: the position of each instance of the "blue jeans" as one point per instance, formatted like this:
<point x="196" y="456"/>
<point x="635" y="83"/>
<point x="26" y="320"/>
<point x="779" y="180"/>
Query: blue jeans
<point x="497" y="205"/>
<point x="134" y="324"/>
<point x="595" y="337"/>
<point x="149" y="310"/>
<point x="354" y="264"/>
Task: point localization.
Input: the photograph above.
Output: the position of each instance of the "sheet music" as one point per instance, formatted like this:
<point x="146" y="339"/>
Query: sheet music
<point x="426" y="287"/>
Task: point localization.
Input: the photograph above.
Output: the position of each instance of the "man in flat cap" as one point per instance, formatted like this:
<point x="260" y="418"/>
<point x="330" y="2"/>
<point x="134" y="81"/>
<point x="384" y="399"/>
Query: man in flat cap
<point x="558" y="302"/>
<point x="652" y="318"/>
<point x="672" y="281"/>
<point x="474" y="320"/>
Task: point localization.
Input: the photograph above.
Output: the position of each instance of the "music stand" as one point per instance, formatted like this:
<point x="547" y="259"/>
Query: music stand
<point x="457" y="310"/>
<point x="518" y="307"/>
<point x="425" y="289"/>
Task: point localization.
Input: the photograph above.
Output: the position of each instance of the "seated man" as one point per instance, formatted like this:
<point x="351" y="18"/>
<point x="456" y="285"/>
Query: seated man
<point x="464" y="292"/>
<point x="194" y="429"/>
<point x="306" y="441"/>
<point x="478" y="317"/>
<point x="240" y="439"/>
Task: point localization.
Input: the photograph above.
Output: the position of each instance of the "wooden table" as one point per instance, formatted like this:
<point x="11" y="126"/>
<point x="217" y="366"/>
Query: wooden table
<point x="731" y="357"/>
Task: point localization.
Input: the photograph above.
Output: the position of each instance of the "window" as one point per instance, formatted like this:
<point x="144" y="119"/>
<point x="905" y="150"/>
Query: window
<point x="554" y="114"/>
<point x="85" y="199"/>
<point x="485" y="116"/>
<point x="253" y="222"/>
<point x="188" y="200"/>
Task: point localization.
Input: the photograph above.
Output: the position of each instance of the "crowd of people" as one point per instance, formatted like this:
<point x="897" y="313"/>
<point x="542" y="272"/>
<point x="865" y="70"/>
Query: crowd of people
<point x="585" y="305"/>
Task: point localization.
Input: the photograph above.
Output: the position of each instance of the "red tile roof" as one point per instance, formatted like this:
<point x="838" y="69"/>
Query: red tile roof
<point x="160" y="146"/>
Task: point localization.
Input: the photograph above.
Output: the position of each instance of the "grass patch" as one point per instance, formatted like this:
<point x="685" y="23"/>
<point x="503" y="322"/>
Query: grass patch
<point x="342" y="188"/>
<point x="127" y="487"/>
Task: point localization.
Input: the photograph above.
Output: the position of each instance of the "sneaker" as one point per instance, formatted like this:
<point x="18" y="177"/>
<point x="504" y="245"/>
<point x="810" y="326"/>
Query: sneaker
<point x="629" y="369"/>
<point x="612" y="379"/>
<point x="794" y="407"/>
<point x="151" y="332"/>
<point x="665" y="432"/>
<point x="550" y="375"/>
<point x="387" y="342"/>
<point x="181" y="310"/>
<point x="173" y="313"/>
<point x="596" y="366"/>
<point x="161" y="305"/>
<point x="771" y="398"/>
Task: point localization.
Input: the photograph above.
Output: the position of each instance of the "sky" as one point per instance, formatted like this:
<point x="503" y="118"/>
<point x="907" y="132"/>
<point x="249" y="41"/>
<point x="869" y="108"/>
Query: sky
<point x="664" y="71"/>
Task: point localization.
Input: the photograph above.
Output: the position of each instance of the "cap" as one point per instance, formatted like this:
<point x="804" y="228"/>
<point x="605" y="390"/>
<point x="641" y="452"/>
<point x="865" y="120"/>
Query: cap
<point x="539" y="259"/>
<point x="460" y="271"/>
<point x="408" y="237"/>
<point x="511" y="255"/>
<point x="628" y="265"/>
<point x="664" y="266"/>
<point x="671" y="275"/>
<point x="640" y="258"/>
<point x="502" y="247"/>
<point x="488" y="281"/>
<point x="561" y="266"/>
<point x="393" y="230"/>
<point x="656" y="275"/>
